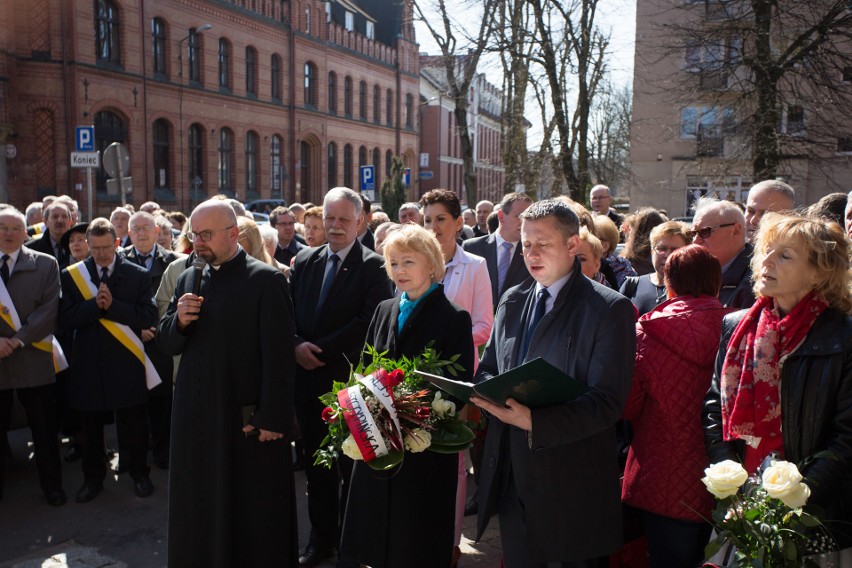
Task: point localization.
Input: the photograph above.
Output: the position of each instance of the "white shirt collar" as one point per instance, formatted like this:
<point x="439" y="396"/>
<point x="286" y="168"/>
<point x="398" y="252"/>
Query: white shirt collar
<point x="13" y="257"/>
<point x="553" y="290"/>
<point x="342" y="253"/>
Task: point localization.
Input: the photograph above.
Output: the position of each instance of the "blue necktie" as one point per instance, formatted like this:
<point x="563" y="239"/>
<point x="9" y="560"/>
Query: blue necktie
<point x="503" y="266"/>
<point x="104" y="273"/>
<point x="538" y="313"/>
<point x="330" y="272"/>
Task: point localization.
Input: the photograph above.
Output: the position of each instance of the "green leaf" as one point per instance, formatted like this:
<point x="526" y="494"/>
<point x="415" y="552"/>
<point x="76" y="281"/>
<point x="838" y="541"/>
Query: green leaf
<point x="712" y="548"/>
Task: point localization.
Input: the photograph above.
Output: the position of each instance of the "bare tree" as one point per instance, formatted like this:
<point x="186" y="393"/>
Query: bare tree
<point x="609" y="135"/>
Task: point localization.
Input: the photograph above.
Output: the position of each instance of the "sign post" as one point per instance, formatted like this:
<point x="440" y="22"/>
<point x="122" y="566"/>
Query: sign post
<point x="368" y="182"/>
<point x="84" y="142"/>
<point x="117" y="165"/>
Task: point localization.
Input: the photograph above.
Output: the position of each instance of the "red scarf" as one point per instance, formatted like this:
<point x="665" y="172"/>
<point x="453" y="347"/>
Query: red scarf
<point x="751" y="374"/>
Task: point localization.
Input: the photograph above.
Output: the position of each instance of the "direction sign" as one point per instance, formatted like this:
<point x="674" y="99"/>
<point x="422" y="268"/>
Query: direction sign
<point x="368" y="178"/>
<point x="84" y="139"/>
<point x="117" y="160"/>
<point x="85" y="159"/>
<point x="425" y="174"/>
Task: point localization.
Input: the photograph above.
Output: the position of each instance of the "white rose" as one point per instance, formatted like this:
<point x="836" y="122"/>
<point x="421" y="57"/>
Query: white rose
<point x="418" y="440"/>
<point x="350" y="448"/>
<point x="782" y="480"/>
<point x="443" y="407"/>
<point x="725" y="478"/>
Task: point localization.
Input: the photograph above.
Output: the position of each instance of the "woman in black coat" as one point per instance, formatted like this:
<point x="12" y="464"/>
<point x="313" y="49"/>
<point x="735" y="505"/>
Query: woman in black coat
<point x="404" y="517"/>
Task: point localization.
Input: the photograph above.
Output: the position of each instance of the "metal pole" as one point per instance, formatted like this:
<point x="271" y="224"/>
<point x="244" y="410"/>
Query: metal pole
<point x="89" y="191"/>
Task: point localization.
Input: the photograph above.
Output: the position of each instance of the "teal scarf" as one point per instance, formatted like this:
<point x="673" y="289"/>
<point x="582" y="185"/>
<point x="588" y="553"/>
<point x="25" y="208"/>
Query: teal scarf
<point x="407" y="306"/>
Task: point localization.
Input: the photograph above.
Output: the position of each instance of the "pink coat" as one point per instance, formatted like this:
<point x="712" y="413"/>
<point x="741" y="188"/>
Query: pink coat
<point x="676" y="347"/>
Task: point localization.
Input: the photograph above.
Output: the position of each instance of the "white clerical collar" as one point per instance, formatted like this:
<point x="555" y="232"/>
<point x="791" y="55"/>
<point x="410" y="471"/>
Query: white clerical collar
<point x="233" y="256"/>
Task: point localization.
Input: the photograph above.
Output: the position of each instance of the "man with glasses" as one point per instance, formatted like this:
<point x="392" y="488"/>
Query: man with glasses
<point x="720" y="227"/>
<point x="231" y="493"/>
<point x="120" y="217"/>
<point x="600" y="200"/>
<point x="284" y="221"/>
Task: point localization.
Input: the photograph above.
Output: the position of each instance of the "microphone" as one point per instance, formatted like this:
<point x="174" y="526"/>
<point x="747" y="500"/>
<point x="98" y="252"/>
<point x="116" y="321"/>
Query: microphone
<point x="198" y="264"/>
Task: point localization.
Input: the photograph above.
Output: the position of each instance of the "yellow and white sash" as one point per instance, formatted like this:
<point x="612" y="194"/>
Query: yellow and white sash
<point x="9" y="314"/>
<point x="38" y="230"/>
<point x="121" y="332"/>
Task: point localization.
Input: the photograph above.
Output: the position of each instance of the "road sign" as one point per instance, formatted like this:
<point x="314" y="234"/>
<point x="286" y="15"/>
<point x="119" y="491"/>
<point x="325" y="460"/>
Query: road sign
<point x="426" y="174"/>
<point x="368" y="178"/>
<point x="85" y="159"/>
<point x="114" y="186"/>
<point x="117" y="160"/>
<point x="406" y="176"/>
<point x="85" y="139"/>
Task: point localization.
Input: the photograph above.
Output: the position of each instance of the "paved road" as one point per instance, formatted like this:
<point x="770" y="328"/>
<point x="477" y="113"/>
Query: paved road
<point x="118" y="529"/>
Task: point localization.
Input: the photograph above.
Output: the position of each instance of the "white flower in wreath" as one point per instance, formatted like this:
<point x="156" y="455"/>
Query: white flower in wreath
<point x="783" y="481"/>
<point x="418" y="440"/>
<point x="442" y="407"/>
<point x="350" y="448"/>
<point x="725" y="478"/>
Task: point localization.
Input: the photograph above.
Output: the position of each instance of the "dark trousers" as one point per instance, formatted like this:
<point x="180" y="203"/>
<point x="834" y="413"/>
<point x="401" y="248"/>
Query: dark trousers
<point x="131" y="425"/>
<point x="40" y="406"/>
<point x="160" y="419"/>
<point x="328" y="489"/>
<point x="675" y="542"/>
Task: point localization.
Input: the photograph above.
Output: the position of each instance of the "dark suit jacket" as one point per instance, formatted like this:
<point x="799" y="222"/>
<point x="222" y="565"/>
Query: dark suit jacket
<point x="340" y="325"/>
<point x="570" y="458"/>
<point x="285" y="255"/>
<point x="369" y="240"/>
<point x="486" y="247"/>
<point x="45" y="245"/>
<point x="105" y="375"/>
<point x="737" y="288"/>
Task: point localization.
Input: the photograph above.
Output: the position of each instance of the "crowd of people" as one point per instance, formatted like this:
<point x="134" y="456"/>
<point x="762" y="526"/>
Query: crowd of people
<point x="207" y="340"/>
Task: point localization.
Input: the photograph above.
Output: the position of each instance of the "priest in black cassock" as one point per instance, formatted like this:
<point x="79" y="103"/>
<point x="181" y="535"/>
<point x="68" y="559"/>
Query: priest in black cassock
<point x="231" y="492"/>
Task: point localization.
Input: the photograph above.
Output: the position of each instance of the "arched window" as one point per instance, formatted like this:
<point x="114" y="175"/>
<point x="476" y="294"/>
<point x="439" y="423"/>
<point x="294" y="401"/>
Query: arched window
<point x="224" y="64"/>
<point x="158" y="45"/>
<point x="377" y="104"/>
<point x="251" y="164"/>
<point x="196" y="159"/>
<point x="362" y="100"/>
<point x="226" y="163"/>
<point x="409" y="111"/>
<point x="310" y="85"/>
<point x="377" y="157"/>
<point x="275" y="165"/>
<point x="347" y="165"/>
<point x="305" y="162"/>
<point x="162" y="171"/>
<point x="332" y="92"/>
<point x="362" y="157"/>
<point x="107" y="32"/>
<point x="193" y="49"/>
<point x="251" y="71"/>
<point x="275" y="77"/>
<point x="389" y="107"/>
<point x="388" y="160"/>
<point x="332" y="164"/>
<point x="347" y="97"/>
<point x="109" y="128"/>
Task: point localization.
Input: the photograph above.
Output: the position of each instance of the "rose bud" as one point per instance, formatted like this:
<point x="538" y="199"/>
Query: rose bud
<point x="422" y="413"/>
<point x="396" y="377"/>
<point x="328" y="414"/>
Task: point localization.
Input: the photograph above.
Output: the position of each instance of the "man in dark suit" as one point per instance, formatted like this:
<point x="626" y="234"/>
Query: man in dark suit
<point x="365" y="235"/>
<point x="505" y="271"/>
<point x="152" y="257"/>
<point x="483" y="209"/>
<point x="120" y="219"/>
<point x="540" y="460"/>
<point x="283" y="220"/>
<point x="57" y="217"/>
<point x="335" y="289"/>
<point x="29" y="294"/>
<point x="107" y="300"/>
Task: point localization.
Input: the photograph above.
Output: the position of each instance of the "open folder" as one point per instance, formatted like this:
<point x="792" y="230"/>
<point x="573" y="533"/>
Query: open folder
<point x="535" y="384"/>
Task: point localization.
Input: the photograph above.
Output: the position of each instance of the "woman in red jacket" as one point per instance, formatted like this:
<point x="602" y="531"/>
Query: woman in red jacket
<point x="676" y="345"/>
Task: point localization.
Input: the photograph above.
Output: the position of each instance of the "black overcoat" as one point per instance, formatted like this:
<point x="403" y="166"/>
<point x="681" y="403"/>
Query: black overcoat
<point x="391" y="514"/>
<point x="231" y="497"/>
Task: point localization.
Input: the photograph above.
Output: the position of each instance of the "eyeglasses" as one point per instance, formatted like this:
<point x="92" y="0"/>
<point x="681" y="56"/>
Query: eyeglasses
<point x="205" y="236"/>
<point x="705" y="232"/>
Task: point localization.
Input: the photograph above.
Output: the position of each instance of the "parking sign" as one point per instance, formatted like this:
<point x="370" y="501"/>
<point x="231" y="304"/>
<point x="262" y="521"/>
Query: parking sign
<point x="85" y="139"/>
<point x="368" y="178"/>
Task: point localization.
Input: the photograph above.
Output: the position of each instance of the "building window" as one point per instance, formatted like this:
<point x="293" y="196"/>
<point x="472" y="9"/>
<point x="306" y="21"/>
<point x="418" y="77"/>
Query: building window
<point x="310" y="85"/>
<point x="226" y="157"/>
<point x="377" y="104"/>
<point x="275" y="165"/>
<point x="847" y="74"/>
<point x="305" y="162"/>
<point x="347" y="97"/>
<point x="377" y="157"/>
<point x="362" y="101"/>
<point x="332" y="92"/>
<point x="161" y="133"/>
<point x="307" y="20"/>
<point x="275" y="77"/>
<point x="409" y="111"/>
<point x="389" y="107"/>
<point x="196" y="156"/>
<point x="224" y="64"/>
<point x="347" y="165"/>
<point x="251" y="164"/>
<point x="844" y="145"/>
<point x="251" y="71"/>
<point x="793" y="121"/>
<point x="349" y="20"/>
<point x="158" y="45"/>
<point x="388" y="161"/>
<point x="371" y="30"/>
<point x="107" y="32"/>
<point x="193" y="49"/>
<point x="708" y="126"/>
<point x="332" y="165"/>
<point x="109" y="128"/>
<point x="362" y="158"/>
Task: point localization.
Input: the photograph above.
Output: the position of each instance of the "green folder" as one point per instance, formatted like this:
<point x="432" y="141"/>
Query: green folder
<point x="536" y="383"/>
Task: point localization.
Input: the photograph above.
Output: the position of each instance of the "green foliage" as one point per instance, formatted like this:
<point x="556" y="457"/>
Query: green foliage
<point x="394" y="193"/>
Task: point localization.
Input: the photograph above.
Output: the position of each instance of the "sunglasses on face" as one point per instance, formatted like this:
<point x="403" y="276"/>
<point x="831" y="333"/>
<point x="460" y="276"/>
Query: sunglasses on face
<point x="705" y="232"/>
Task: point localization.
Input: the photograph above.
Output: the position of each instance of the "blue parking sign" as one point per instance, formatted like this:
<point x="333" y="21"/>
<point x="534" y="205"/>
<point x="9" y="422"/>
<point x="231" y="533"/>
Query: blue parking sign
<point x="85" y="139"/>
<point x="368" y="178"/>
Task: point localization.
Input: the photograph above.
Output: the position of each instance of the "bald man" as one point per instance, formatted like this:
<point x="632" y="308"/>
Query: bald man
<point x="764" y="197"/>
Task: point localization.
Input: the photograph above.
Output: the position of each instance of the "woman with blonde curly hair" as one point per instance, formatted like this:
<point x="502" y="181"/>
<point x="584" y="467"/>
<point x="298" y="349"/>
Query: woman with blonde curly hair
<point x="783" y="378"/>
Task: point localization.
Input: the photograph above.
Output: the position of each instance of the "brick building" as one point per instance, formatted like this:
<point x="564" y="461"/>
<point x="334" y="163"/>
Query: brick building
<point x="251" y="98"/>
<point x="441" y="158"/>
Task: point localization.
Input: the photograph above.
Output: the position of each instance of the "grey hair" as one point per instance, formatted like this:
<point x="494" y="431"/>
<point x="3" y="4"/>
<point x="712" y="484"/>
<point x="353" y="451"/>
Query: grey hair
<point x="410" y="205"/>
<point x="11" y="211"/>
<point x="120" y="211"/>
<point x="777" y="186"/>
<point x="339" y="193"/>
<point x="565" y="217"/>
<point x="729" y="211"/>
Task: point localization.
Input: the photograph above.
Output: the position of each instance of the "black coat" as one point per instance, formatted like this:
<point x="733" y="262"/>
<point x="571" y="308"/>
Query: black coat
<point x="45" y="245"/>
<point x="104" y="374"/>
<point x="816" y="412"/>
<point x="390" y="513"/>
<point x="231" y="497"/>
<point x="737" y="287"/>
<point x="486" y="247"/>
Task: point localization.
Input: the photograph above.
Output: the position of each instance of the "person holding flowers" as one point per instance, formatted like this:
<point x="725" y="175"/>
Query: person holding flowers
<point x="390" y="514"/>
<point x="783" y="378"/>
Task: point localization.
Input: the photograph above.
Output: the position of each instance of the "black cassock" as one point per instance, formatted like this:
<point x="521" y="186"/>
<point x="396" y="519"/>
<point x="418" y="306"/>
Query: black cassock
<point x="231" y="497"/>
<point x="404" y="518"/>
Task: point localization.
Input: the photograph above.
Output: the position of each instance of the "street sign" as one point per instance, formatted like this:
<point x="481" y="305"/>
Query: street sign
<point x="114" y="186"/>
<point x="424" y="159"/>
<point x="426" y="174"/>
<point x="117" y="160"/>
<point x="406" y="176"/>
<point x="85" y="159"/>
<point x="84" y="139"/>
<point x="368" y="178"/>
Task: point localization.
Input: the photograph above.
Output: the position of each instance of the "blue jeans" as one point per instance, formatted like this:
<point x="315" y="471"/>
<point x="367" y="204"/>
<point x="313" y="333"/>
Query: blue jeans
<point x="675" y="543"/>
